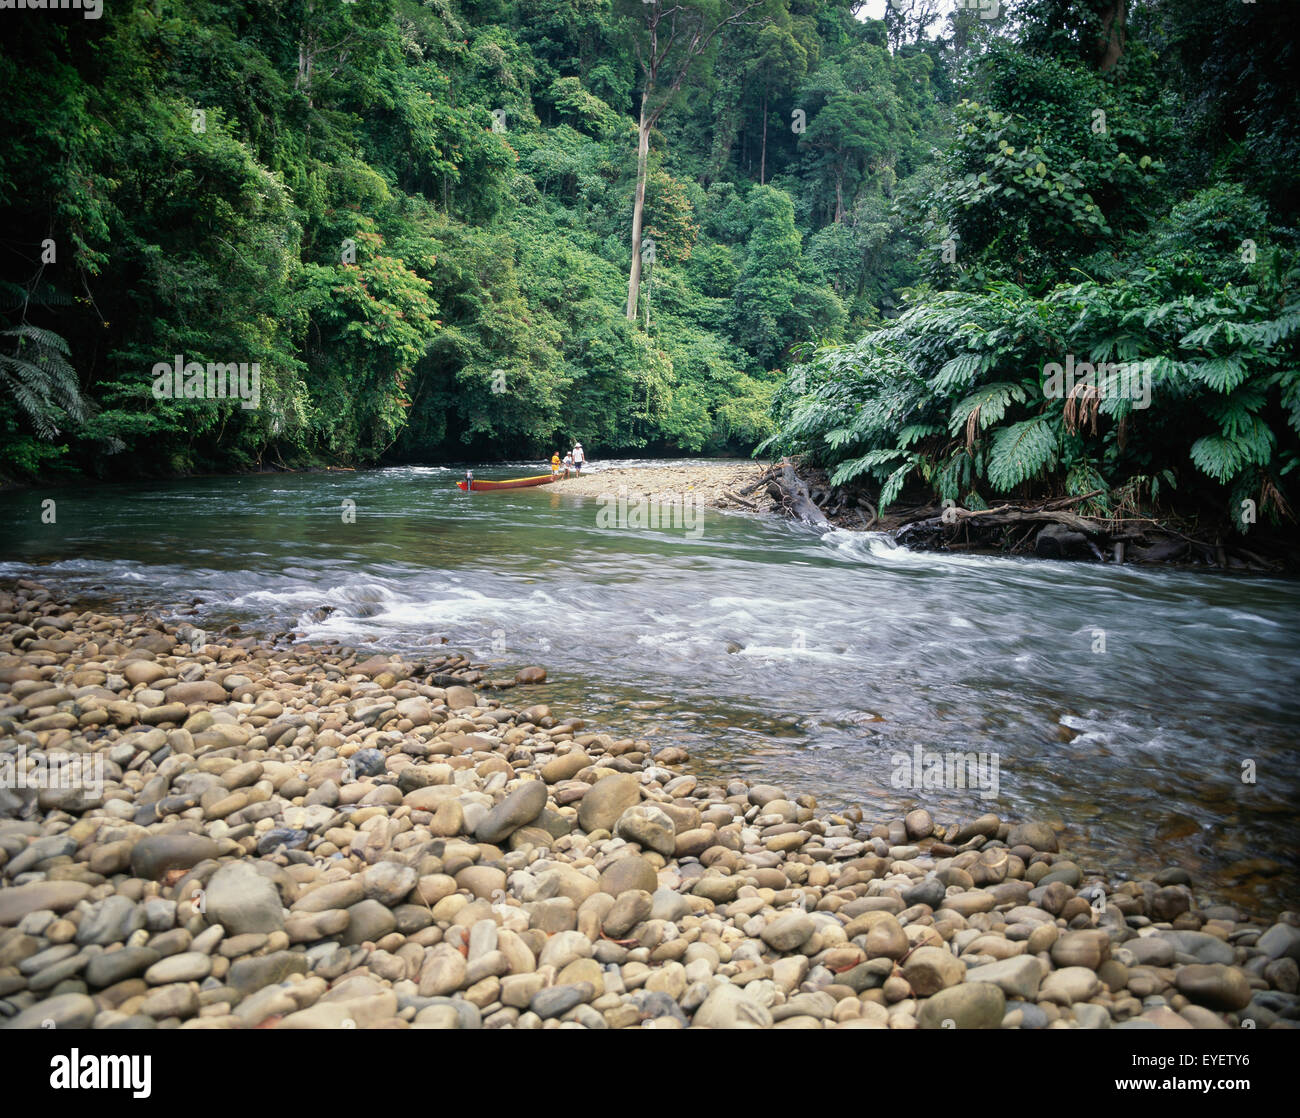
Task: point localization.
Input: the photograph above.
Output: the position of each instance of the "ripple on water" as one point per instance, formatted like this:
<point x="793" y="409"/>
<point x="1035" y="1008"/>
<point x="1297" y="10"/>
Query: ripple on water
<point x="809" y="660"/>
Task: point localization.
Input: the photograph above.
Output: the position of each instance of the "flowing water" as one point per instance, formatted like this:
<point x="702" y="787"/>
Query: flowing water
<point x="1130" y="703"/>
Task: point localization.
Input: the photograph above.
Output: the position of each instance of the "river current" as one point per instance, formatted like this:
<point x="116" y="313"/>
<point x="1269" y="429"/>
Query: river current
<point x="1153" y="711"/>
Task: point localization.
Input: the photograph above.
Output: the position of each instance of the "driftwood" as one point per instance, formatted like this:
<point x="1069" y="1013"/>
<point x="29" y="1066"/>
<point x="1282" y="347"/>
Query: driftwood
<point x="766" y="476"/>
<point x="1049" y="529"/>
<point x="792" y="495"/>
<point x="1013" y="514"/>
<point x="739" y="500"/>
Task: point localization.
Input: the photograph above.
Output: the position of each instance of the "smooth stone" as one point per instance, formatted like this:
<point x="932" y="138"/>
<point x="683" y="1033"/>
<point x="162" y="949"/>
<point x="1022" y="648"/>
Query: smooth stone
<point x="189" y="966"/>
<point x="918" y="824"/>
<point x="630" y="909"/>
<point x="564" y="767"/>
<point x="484" y="882"/>
<point x="16" y="901"/>
<point x="718" y="888"/>
<point x="241" y="900"/>
<point x="1214" y="985"/>
<point x="112" y="967"/>
<point x="669" y="905"/>
<point x="1092" y="1016"/>
<point x="337" y="894"/>
<point x="443" y="973"/>
<point x="930" y="892"/>
<point x="788" y="932"/>
<point x="388" y="882"/>
<point x="179" y="1000"/>
<point x="553" y="1001"/>
<point x="629" y="873"/>
<point x="1087" y="948"/>
<point x="1038" y="836"/>
<point x="67" y="1011"/>
<point x="42" y="850"/>
<point x="606" y="800"/>
<point x="354" y="1013"/>
<point x="1280" y="941"/>
<point x="255" y="972"/>
<point x="308" y="927"/>
<point x="649" y="826"/>
<point x="520" y="807"/>
<point x="1152" y="951"/>
<point x="1069" y="985"/>
<point x="563" y="948"/>
<point x="288" y="837"/>
<point x="1017" y="977"/>
<point x="730" y="1007"/>
<point x="886" y="938"/>
<point x="368" y="922"/>
<point x="1205" y="947"/>
<point x="111" y="920"/>
<point x="931" y="969"/>
<point x="970" y="1005"/>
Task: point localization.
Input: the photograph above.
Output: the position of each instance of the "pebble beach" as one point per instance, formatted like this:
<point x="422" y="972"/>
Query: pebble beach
<point x="283" y="835"/>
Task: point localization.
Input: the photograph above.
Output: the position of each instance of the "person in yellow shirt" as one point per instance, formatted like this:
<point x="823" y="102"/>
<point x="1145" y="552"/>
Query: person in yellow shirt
<point x="555" y="464"/>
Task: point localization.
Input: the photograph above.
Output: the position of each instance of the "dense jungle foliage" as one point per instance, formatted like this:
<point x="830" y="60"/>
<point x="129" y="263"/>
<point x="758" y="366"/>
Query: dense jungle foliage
<point x="863" y="239"/>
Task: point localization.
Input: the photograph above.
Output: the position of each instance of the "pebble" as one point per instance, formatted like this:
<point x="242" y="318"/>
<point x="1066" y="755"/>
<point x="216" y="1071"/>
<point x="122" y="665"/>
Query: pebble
<point x="650" y="827"/>
<point x="189" y="966"/>
<point x="729" y="1007"/>
<point x="931" y="969"/>
<point x="242" y="900"/>
<point x="789" y="932"/>
<point x="971" y="1005"/>
<point x="1214" y="985"/>
<point x="336" y="842"/>
<point x="606" y="800"/>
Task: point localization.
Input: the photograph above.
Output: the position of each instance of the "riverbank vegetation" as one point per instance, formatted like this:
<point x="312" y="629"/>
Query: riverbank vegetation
<point x="861" y="241"/>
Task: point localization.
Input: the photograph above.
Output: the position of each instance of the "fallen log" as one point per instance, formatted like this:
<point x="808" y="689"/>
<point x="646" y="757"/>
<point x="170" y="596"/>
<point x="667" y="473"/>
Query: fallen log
<point x="794" y="496"/>
<point x="767" y="475"/>
<point x="730" y="496"/>
<point x="1013" y="514"/>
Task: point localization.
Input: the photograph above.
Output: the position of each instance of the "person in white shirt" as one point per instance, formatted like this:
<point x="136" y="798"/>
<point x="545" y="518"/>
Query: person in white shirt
<point x="579" y="458"/>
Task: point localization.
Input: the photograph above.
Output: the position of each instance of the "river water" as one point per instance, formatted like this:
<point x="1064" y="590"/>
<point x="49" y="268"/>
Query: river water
<point x="1131" y="704"/>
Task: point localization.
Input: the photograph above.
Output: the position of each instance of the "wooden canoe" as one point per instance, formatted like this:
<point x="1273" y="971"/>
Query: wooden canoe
<point x="512" y="483"/>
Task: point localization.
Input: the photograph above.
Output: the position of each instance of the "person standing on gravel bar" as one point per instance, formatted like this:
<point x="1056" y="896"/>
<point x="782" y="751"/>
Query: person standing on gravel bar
<point x="579" y="459"/>
<point x="555" y="464"/>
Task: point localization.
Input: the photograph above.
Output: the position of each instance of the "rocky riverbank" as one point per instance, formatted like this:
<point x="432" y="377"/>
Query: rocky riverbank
<point x="712" y="485"/>
<point x="310" y="837"/>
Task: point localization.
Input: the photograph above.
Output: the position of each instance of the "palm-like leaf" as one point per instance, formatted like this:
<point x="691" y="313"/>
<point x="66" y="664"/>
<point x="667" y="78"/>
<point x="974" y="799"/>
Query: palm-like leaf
<point x="38" y="374"/>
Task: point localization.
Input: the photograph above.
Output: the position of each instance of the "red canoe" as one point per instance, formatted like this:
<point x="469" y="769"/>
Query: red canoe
<point x="513" y="483"/>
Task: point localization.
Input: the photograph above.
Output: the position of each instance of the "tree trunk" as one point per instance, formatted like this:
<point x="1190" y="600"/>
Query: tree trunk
<point x="638" y="207"/>
<point x="762" y="163"/>
<point x="1111" y="43"/>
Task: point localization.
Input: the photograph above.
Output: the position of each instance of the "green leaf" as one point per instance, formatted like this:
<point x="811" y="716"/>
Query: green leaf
<point x="1021" y="451"/>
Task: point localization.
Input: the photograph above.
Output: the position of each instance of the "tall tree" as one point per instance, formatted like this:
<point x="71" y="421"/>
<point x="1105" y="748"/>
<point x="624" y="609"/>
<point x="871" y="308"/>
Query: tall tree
<point x="667" y="39"/>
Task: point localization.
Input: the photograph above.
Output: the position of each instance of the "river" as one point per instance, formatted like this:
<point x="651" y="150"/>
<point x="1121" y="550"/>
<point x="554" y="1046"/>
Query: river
<point x="1130" y="703"/>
